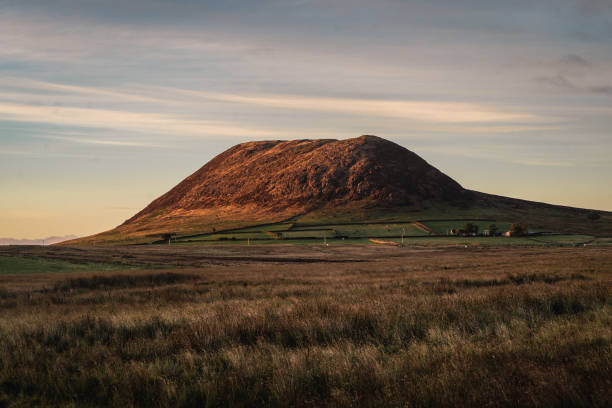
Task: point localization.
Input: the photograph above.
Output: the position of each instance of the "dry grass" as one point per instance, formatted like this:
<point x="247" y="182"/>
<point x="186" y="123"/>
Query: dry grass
<point x="505" y="327"/>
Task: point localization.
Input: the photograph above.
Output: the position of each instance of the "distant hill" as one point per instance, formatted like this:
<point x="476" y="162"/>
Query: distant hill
<point x="41" y="241"/>
<point x="355" y="179"/>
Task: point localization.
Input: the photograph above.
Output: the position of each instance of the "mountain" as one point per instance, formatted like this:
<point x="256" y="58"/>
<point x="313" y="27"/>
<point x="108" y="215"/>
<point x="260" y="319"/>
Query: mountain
<point x="270" y="181"/>
<point x="303" y="174"/>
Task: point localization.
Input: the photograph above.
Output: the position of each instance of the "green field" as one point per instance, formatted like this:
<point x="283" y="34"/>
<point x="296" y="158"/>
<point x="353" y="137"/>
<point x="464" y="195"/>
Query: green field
<point x="374" y="230"/>
<point x="602" y="241"/>
<point x="290" y="231"/>
<point x="475" y="241"/>
<point x="17" y="265"/>
<point x="229" y="236"/>
<point x="428" y="241"/>
<point x="326" y="233"/>
<point x="444" y="226"/>
<point x="300" y="241"/>
<point x="310" y="233"/>
<point x="564" y="239"/>
<point x="258" y="232"/>
<point x="281" y="226"/>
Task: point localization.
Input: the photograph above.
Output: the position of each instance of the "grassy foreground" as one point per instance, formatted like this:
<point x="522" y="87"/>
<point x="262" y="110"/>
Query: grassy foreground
<point x="488" y="327"/>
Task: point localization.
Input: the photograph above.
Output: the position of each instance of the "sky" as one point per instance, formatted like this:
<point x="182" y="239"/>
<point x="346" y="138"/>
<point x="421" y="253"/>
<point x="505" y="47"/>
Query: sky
<point x="105" y="105"/>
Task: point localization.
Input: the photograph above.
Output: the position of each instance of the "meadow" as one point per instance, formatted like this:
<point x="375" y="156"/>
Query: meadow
<point x="417" y="232"/>
<point x="349" y="325"/>
<point x="20" y="265"/>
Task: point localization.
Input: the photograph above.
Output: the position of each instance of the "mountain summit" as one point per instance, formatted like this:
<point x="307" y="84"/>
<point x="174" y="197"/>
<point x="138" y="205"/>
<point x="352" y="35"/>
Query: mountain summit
<point x="306" y="174"/>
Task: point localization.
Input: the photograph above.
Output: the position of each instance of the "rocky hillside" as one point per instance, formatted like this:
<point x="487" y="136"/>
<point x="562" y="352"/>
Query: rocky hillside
<point x="305" y="174"/>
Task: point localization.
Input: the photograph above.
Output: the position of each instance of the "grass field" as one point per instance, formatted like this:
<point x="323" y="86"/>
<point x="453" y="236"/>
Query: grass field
<point x="544" y="240"/>
<point x="316" y="239"/>
<point x="338" y="229"/>
<point x="565" y="239"/>
<point x="360" y="234"/>
<point x="20" y="265"/>
<point x="443" y="227"/>
<point x="291" y="231"/>
<point x="536" y="217"/>
<point x="378" y="230"/>
<point x="341" y="233"/>
<point x="348" y="325"/>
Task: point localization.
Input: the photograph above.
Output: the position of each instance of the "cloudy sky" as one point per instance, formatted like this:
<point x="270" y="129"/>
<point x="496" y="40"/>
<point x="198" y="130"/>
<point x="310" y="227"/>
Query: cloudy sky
<point x="105" y="105"/>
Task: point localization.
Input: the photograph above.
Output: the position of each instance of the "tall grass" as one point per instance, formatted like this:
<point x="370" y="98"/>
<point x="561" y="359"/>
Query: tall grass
<point x="384" y="334"/>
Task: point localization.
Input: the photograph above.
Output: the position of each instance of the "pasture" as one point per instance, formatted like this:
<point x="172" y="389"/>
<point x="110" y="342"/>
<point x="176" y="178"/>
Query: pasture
<point x="416" y="232"/>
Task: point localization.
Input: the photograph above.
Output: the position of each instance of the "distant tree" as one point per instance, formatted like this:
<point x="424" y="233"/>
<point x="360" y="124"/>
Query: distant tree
<point x="493" y="228"/>
<point x="593" y="216"/>
<point x="167" y="237"/>
<point x="214" y="229"/>
<point x="470" y="228"/>
<point x="518" y="229"/>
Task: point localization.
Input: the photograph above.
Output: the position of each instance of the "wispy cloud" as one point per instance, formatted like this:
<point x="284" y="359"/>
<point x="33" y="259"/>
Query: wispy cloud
<point x="576" y="74"/>
<point x="573" y="60"/>
<point x="543" y="163"/>
<point x="603" y="89"/>
<point x="557" y="81"/>
<point x="417" y="110"/>
<point x="147" y="112"/>
<point x="133" y="121"/>
<point x="64" y="89"/>
<point x="489" y="153"/>
<point x="104" y="142"/>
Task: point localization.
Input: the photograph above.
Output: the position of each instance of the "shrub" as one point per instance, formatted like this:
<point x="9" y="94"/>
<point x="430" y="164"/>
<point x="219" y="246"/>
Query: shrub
<point x="518" y="229"/>
<point x="470" y="228"/>
<point x="593" y="216"/>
